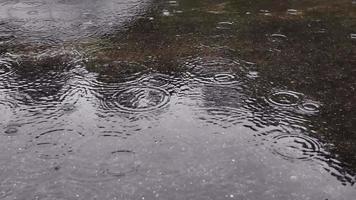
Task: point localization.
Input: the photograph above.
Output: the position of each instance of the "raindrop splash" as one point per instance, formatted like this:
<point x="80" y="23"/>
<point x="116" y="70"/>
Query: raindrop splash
<point x="284" y="98"/>
<point x="140" y="99"/>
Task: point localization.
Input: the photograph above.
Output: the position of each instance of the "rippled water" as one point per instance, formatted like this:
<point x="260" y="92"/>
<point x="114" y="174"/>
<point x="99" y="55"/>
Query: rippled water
<point x="57" y="20"/>
<point x="193" y="100"/>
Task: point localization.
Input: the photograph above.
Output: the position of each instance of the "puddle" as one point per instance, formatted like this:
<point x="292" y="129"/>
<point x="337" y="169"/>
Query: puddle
<point x="177" y="99"/>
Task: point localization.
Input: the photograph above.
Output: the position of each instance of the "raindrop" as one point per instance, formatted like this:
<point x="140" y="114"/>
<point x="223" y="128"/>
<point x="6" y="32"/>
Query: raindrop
<point x="139" y="99"/>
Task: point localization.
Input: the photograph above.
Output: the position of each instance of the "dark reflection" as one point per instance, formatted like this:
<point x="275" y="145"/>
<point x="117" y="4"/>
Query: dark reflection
<point x="41" y="78"/>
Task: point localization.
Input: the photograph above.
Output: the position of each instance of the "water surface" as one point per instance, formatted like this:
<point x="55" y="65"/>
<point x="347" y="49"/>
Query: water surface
<point x="187" y="99"/>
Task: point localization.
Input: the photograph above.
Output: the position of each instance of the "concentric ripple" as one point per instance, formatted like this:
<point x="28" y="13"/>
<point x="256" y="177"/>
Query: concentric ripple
<point x="295" y="146"/>
<point x="54" y="144"/>
<point x="224" y="78"/>
<point x="310" y="107"/>
<point x="139" y="99"/>
<point x="284" y="98"/>
<point x="62" y="20"/>
<point x="104" y="169"/>
<point x="156" y="80"/>
<point x="101" y="159"/>
<point x="28" y="4"/>
<point x="5" y="67"/>
<point x="219" y="71"/>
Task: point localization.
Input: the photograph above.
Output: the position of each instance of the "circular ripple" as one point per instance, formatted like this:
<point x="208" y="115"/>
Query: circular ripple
<point x="298" y="147"/>
<point x="28" y="4"/>
<point x="55" y="144"/>
<point x="224" y="78"/>
<point x="99" y="162"/>
<point x="157" y="80"/>
<point x="218" y="71"/>
<point x="11" y="131"/>
<point x="4" y="68"/>
<point x="120" y="163"/>
<point x="52" y="150"/>
<point x="284" y="98"/>
<point x="310" y="107"/>
<point x="139" y="99"/>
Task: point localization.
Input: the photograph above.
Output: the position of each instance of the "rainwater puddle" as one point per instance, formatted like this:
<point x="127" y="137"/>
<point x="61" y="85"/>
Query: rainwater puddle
<point x="177" y="100"/>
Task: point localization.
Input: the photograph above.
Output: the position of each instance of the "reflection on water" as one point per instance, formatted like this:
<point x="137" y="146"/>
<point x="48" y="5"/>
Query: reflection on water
<point x="197" y="99"/>
<point x="62" y="19"/>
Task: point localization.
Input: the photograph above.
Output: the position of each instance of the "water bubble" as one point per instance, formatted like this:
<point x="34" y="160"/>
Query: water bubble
<point x="139" y="99"/>
<point x="284" y="98"/>
<point x="296" y="146"/>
